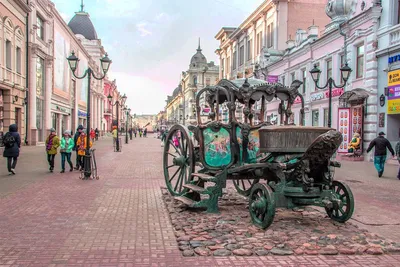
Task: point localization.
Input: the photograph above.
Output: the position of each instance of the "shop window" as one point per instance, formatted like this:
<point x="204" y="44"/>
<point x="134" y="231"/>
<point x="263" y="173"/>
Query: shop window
<point x="241" y="55"/>
<point x="8" y="54"/>
<point x="360" y="62"/>
<point x="326" y="118"/>
<point x="328" y="69"/>
<point x="315" y="117"/>
<point x="19" y="60"/>
<point x="40" y="27"/>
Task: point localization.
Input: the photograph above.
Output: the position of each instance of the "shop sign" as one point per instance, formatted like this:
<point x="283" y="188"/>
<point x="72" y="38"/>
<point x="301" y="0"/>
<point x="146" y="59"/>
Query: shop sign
<point x="272" y="78"/>
<point x="393" y="106"/>
<point x="393" y="59"/>
<point x="82" y="114"/>
<point x="393" y="92"/>
<point x="335" y="92"/>
<point x="394" y="77"/>
<point x="317" y="96"/>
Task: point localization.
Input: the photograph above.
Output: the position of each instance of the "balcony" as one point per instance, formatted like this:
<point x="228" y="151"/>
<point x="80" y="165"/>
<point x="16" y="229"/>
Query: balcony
<point x="394" y="35"/>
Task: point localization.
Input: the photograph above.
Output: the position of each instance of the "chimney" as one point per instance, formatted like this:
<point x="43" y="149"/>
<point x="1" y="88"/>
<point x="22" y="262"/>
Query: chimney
<point x="290" y="43"/>
<point x="313" y="31"/>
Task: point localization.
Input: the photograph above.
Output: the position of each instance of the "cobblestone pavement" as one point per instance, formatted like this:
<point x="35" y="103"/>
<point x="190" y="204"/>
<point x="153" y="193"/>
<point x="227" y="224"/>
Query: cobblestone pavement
<point x="120" y="220"/>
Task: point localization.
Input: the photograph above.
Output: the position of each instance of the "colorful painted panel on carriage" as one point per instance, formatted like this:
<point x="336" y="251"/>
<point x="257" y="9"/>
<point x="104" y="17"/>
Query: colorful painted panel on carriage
<point x="217" y="150"/>
<point x="254" y="146"/>
<point x="239" y="139"/>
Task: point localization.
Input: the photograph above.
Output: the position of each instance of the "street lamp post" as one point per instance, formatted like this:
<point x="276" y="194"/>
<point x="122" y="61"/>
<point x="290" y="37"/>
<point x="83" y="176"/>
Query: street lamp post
<point x="126" y="125"/>
<point x="105" y="65"/>
<point x="315" y="74"/>
<point x="120" y="102"/>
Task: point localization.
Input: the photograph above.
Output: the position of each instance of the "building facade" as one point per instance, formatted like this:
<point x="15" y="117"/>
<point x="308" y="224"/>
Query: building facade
<point x="13" y="65"/>
<point x="349" y="37"/>
<point x="388" y="54"/>
<point x="181" y="104"/>
<point x="265" y="32"/>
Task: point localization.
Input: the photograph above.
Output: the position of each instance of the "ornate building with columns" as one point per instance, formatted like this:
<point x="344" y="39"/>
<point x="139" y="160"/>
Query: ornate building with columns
<point x="181" y="104"/>
<point x="13" y="69"/>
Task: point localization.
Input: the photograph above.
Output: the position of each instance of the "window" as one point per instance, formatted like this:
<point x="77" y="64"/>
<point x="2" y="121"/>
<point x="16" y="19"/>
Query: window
<point x="360" y="62"/>
<point x="342" y="63"/>
<point x="259" y="43"/>
<point x="234" y="60"/>
<point x="249" y="49"/>
<point x="315" y="117"/>
<point x="270" y="40"/>
<point x="326" y="113"/>
<point x="8" y="54"/>
<point x="228" y="63"/>
<point x="304" y="71"/>
<point x="208" y="81"/>
<point x="223" y="67"/>
<point x="293" y="77"/>
<point x="40" y="27"/>
<point x="328" y="69"/>
<point x="241" y="55"/>
<point x="19" y="60"/>
<point x="195" y="80"/>
<point x="283" y="80"/>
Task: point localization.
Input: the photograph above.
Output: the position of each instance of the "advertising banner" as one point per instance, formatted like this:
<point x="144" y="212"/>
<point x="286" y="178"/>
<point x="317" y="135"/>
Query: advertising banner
<point x="272" y="78"/>
<point x="344" y="128"/>
<point x="393" y="102"/>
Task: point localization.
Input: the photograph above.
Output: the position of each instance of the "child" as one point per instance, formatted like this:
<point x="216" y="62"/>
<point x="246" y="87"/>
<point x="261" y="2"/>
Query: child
<point x="67" y="144"/>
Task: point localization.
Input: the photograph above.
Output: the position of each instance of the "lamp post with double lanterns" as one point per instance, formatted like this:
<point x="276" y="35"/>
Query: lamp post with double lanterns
<point x="128" y="110"/>
<point x="105" y="65"/>
<point x="119" y="102"/>
<point x="316" y="73"/>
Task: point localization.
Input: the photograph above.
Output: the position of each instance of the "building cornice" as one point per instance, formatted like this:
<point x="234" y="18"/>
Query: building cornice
<point x="23" y="5"/>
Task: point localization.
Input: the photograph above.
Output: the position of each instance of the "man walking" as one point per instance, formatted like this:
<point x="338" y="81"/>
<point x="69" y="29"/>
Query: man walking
<point x="12" y="144"/>
<point x="381" y="144"/>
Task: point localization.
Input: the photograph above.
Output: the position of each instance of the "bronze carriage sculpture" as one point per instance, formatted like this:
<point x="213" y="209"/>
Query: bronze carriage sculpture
<point x="294" y="161"/>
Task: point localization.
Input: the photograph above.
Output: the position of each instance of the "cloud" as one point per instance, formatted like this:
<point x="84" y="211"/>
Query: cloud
<point x="141" y="28"/>
<point x="145" y="96"/>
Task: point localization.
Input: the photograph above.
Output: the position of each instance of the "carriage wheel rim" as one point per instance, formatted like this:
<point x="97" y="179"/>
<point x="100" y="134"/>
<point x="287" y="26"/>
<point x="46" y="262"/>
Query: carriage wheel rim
<point x="342" y="211"/>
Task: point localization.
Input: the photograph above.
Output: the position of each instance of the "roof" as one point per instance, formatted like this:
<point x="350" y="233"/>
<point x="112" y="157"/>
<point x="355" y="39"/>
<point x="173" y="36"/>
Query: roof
<point x="198" y="58"/>
<point x="81" y="24"/>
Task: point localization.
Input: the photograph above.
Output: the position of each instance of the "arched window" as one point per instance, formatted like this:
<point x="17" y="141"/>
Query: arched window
<point x="195" y="80"/>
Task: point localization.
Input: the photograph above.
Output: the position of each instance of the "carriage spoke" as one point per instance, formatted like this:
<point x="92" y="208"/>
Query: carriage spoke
<point x="176" y="149"/>
<point x="341" y="210"/>
<point x="178" y="181"/>
<point x="174" y="174"/>
<point x="169" y="153"/>
<point x="244" y="187"/>
<point x="171" y="166"/>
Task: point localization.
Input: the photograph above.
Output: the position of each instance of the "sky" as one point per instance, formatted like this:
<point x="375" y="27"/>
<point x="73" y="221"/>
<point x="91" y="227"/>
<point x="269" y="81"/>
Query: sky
<point x="152" y="41"/>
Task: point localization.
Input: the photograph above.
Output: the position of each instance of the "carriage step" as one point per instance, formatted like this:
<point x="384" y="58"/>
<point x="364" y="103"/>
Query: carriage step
<point x="203" y="176"/>
<point x="185" y="200"/>
<point x="194" y="188"/>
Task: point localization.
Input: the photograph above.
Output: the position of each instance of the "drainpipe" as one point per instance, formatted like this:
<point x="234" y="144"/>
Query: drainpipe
<point x="27" y="78"/>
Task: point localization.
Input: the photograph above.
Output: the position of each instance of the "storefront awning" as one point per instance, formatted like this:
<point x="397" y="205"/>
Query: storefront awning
<point x="354" y="96"/>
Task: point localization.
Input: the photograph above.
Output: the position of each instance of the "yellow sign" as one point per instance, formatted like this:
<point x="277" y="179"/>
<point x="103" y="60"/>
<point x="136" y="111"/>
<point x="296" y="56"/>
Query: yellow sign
<point x="393" y="106"/>
<point x="394" y="77"/>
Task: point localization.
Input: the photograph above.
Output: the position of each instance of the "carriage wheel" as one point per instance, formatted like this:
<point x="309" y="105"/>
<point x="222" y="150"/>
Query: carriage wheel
<point x="342" y="211"/>
<point x="244" y="186"/>
<point x="262" y="205"/>
<point x="178" y="160"/>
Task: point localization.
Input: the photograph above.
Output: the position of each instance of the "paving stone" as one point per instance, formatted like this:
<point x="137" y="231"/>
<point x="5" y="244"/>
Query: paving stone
<point x="188" y="253"/>
<point x="242" y="252"/>
<point x="201" y="251"/>
<point x="281" y="252"/>
<point x="222" y="252"/>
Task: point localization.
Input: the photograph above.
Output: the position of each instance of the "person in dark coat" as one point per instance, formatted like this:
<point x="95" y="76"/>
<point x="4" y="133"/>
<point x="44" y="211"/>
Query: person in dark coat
<point x="76" y="136"/>
<point x="381" y="144"/>
<point x="12" y="152"/>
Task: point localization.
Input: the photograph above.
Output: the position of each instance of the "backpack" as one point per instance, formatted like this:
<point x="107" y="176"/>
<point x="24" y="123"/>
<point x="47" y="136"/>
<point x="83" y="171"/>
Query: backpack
<point x="8" y="140"/>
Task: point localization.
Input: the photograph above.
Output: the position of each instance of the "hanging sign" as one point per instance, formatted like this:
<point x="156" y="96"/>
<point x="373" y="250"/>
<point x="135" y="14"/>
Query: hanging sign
<point x="394" y="77"/>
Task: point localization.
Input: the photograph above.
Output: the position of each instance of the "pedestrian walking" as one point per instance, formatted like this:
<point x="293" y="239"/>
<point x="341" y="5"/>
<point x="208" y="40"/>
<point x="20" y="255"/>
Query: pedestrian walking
<point x="115" y="134"/>
<point x="82" y="145"/>
<point x="52" y="144"/>
<point x="67" y="144"/>
<point x="134" y="132"/>
<point x="92" y="134"/>
<point x="398" y="157"/>
<point x="145" y="132"/>
<point x="12" y="144"/>
<point x="76" y="136"/>
<point x="381" y="144"/>
<point x="130" y="133"/>
<point x="140" y="132"/>
<point x="97" y="133"/>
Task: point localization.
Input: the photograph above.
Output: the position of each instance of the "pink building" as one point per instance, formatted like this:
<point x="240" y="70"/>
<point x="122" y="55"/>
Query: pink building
<point x="349" y="36"/>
